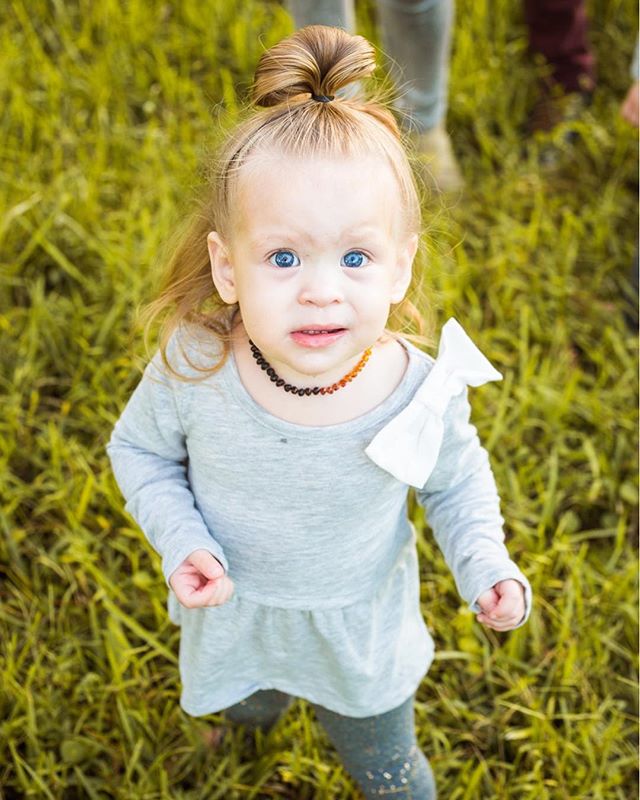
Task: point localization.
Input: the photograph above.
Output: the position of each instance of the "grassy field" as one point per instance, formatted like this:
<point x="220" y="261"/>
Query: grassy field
<point x="107" y="111"/>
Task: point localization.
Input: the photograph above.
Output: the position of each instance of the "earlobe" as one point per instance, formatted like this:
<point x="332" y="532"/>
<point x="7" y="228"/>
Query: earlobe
<point x="404" y="269"/>
<point x="221" y="268"/>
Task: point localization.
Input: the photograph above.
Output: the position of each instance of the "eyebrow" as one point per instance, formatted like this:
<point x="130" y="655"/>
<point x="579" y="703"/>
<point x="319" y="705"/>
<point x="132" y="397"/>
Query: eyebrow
<point x="287" y="237"/>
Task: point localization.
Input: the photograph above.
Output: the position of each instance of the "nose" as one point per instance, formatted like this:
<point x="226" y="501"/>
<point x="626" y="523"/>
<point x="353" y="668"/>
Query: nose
<point x="321" y="285"/>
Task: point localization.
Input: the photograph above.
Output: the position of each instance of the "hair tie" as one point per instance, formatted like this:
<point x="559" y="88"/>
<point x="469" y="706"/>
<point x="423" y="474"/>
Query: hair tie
<point x="322" y="98"/>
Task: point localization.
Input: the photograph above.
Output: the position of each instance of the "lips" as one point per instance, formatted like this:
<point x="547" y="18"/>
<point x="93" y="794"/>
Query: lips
<point x="318" y="336"/>
<point x="313" y="331"/>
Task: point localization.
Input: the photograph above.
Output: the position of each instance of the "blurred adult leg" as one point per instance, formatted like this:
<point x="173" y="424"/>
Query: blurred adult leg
<point x="337" y="13"/>
<point x="416" y="34"/>
<point x="558" y="30"/>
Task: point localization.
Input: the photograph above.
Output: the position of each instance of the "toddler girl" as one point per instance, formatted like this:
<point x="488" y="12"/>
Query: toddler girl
<point x="269" y="448"/>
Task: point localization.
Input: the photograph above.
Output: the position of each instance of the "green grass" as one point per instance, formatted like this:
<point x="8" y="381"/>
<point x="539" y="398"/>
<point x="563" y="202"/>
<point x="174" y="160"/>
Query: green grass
<point x="107" y="110"/>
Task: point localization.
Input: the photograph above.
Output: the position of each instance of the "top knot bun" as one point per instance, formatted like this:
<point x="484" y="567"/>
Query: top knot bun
<point x="315" y="60"/>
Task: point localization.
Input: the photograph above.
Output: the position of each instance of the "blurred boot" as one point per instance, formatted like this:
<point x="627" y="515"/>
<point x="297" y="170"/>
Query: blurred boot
<point x="438" y="166"/>
<point x="556" y="111"/>
<point x="554" y="107"/>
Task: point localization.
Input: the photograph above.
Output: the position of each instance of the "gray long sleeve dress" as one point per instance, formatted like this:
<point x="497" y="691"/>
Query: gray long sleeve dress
<point x="314" y="534"/>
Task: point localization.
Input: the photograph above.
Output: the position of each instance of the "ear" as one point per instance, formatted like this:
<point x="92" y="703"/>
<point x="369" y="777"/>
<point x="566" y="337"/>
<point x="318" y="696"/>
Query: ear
<point x="222" y="268"/>
<point x="404" y="265"/>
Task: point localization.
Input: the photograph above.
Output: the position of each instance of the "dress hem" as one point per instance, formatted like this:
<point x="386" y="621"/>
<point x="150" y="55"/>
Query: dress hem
<point x="197" y="711"/>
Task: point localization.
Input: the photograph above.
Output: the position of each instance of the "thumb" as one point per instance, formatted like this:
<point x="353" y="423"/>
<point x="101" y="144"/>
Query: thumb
<point x="207" y="564"/>
<point x="488" y="600"/>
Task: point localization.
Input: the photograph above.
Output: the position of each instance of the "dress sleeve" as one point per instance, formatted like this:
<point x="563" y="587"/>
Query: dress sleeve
<point x="463" y="509"/>
<point x="148" y="455"/>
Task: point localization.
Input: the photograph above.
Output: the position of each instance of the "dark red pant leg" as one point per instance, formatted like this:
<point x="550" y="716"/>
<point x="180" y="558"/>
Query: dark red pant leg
<point x="558" y="30"/>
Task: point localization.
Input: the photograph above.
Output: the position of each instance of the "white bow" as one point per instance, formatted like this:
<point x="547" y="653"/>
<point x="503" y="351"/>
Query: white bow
<point x="408" y="446"/>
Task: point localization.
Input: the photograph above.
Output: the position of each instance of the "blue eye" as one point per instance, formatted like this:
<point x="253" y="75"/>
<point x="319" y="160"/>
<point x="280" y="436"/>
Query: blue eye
<point x="354" y="258"/>
<point x="284" y="258"/>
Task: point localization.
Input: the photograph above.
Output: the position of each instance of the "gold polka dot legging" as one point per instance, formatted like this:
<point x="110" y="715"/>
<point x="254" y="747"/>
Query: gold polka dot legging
<point x="380" y="752"/>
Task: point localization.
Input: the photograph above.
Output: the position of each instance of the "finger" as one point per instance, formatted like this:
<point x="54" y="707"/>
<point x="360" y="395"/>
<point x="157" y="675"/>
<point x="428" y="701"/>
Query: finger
<point x="504" y="619"/>
<point x="191" y="597"/>
<point x="184" y="583"/>
<point x="488" y="600"/>
<point x="506" y="608"/>
<point x="199" y="593"/>
<point x="207" y="564"/>
<point x="196" y="570"/>
<point x="511" y="599"/>
<point x="502" y="628"/>
<point x="186" y="596"/>
<point x="214" y="593"/>
<point x="191" y="580"/>
<point x="509" y="586"/>
<point x="506" y="625"/>
<point x="223" y="592"/>
<point x="211" y="593"/>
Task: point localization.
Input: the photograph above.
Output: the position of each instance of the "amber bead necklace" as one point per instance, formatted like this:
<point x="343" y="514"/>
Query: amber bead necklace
<point x="288" y="387"/>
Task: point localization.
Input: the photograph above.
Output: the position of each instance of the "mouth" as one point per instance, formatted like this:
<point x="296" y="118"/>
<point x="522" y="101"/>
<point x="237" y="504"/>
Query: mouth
<point x="318" y="337"/>
<point x="315" y="331"/>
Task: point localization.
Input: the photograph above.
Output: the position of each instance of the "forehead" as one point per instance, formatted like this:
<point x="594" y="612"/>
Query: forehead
<point x="316" y="198"/>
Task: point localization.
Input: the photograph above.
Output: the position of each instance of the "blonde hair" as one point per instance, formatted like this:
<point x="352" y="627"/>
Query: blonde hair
<point x="315" y="62"/>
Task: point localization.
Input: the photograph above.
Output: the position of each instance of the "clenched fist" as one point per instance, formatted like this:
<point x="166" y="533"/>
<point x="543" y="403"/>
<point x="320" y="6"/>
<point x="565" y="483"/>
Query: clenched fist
<point x="200" y="581"/>
<point x="502" y="606"/>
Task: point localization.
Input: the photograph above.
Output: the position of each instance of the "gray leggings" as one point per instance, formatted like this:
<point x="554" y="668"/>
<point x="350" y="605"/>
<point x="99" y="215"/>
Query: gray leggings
<point x="380" y="753"/>
<point x="417" y="36"/>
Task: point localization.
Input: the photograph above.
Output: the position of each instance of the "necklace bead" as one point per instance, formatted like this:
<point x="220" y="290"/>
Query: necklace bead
<point x="306" y="391"/>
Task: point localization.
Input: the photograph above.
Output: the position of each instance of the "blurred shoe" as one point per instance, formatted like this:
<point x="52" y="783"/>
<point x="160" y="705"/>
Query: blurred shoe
<point x="556" y="111"/>
<point x="553" y="107"/>
<point x="439" y="168"/>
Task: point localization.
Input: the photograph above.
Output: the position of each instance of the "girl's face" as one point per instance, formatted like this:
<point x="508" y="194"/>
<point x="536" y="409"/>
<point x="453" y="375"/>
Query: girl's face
<point x="318" y="253"/>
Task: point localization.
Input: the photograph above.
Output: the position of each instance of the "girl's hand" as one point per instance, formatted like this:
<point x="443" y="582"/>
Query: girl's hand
<point x="502" y="606"/>
<point x="629" y="108"/>
<point x="200" y="581"/>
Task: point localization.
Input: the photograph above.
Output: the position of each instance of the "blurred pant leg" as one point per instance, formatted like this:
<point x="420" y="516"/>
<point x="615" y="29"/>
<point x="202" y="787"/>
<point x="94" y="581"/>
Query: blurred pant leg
<point x="558" y="30"/>
<point x="337" y="13"/>
<point x="417" y="36"/>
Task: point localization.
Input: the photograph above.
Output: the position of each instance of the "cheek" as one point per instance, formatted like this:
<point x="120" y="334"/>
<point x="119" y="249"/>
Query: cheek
<point x="255" y="307"/>
<point x="374" y="313"/>
<point x="375" y="298"/>
<point x="263" y="305"/>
